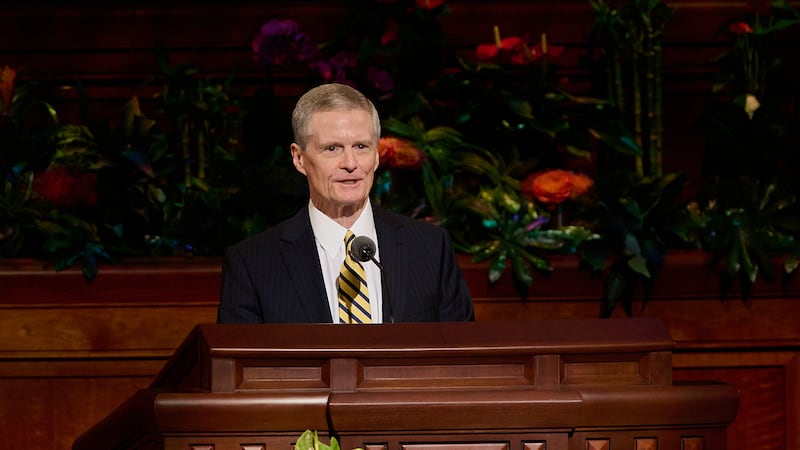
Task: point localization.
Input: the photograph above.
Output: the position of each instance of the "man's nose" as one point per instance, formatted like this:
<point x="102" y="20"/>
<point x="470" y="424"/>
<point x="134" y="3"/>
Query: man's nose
<point x="348" y="159"/>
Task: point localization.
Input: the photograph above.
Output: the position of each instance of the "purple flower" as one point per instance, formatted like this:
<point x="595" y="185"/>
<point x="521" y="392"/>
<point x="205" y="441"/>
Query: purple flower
<point x="281" y="42"/>
<point x="342" y="61"/>
<point x="380" y="79"/>
<point x="336" y="68"/>
<point x="323" y="69"/>
<point x="541" y="220"/>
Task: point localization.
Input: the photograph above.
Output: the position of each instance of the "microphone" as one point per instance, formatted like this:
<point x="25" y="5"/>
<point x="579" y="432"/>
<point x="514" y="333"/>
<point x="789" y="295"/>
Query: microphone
<point x="363" y="249"/>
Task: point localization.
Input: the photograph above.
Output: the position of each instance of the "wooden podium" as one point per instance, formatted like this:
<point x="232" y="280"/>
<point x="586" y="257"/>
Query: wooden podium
<point x="512" y="385"/>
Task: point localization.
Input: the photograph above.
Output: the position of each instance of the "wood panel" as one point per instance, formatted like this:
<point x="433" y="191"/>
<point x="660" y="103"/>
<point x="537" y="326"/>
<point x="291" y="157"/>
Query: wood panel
<point x="116" y="333"/>
<point x="47" y="404"/>
<point x="767" y="379"/>
<point x="458" y="410"/>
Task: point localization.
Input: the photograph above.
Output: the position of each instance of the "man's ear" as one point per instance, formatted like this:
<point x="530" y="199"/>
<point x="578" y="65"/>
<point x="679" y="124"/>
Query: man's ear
<point x="297" y="158"/>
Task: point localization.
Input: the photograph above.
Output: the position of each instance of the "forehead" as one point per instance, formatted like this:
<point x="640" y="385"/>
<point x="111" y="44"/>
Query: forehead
<point x="353" y="124"/>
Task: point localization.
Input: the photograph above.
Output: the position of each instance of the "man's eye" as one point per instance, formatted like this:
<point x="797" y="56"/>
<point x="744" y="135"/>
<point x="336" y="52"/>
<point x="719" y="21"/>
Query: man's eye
<point x="330" y="148"/>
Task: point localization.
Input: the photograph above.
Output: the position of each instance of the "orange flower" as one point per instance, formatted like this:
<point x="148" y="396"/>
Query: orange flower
<point x="399" y="153"/>
<point x="580" y="185"/>
<point x="554" y="186"/>
<point x="7" y="76"/>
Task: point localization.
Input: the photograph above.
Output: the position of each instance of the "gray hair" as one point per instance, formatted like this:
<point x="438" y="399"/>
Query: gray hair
<point x="329" y="97"/>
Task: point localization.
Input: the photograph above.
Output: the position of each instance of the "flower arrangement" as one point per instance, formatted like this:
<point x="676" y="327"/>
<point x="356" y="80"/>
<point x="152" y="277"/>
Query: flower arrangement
<point x="497" y="146"/>
<point x="748" y="205"/>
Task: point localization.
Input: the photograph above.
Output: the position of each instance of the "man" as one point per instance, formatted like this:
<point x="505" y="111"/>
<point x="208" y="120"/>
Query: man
<point x="291" y="272"/>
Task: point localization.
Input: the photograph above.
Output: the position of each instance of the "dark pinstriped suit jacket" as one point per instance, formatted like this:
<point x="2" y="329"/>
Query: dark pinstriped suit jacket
<point x="275" y="276"/>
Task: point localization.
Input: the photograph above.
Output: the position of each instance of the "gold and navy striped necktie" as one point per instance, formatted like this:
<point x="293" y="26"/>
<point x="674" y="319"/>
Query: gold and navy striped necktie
<point x="352" y="287"/>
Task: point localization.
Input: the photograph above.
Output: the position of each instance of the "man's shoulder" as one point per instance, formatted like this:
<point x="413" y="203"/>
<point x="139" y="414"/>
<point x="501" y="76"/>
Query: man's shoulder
<point x="401" y="222"/>
<point x="270" y="236"/>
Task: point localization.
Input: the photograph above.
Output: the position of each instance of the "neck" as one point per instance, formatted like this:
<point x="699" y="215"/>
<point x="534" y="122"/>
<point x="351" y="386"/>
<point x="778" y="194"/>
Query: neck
<point x="344" y="215"/>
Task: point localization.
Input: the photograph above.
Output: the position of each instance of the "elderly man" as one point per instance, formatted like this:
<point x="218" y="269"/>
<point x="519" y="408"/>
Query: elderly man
<point x="304" y="270"/>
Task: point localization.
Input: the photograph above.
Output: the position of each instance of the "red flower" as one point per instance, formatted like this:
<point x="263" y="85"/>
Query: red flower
<point x="554" y="186"/>
<point x="399" y="153"/>
<point x="740" y="28"/>
<point x="515" y="50"/>
<point x="542" y="48"/>
<point x="391" y="33"/>
<point x="508" y="48"/>
<point x="65" y="188"/>
<point x="429" y="4"/>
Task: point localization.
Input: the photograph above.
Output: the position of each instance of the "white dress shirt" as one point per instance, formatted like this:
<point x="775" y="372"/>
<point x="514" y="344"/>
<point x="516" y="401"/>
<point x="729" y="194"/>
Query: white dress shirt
<point x="329" y="237"/>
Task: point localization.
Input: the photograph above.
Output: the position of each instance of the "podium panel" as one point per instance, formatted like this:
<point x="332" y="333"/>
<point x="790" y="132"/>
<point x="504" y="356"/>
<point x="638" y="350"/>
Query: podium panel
<point x="516" y="385"/>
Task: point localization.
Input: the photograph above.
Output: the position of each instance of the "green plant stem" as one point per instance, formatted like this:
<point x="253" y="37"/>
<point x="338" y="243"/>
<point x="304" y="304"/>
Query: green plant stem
<point x="650" y="79"/>
<point x="657" y="112"/>
<point x="637" y="110"/>
<point x="618" y="90"/>
<point x="186" y="142"/>
<point x="201" y="151"/>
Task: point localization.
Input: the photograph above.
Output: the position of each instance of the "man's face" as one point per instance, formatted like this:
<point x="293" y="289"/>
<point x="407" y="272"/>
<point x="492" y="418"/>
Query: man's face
<point x="340" y="160"/>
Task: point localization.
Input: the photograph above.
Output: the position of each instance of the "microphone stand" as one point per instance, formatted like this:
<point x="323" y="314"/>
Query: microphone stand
<point x="385" y="289"/>
<point x="367" y="253"/>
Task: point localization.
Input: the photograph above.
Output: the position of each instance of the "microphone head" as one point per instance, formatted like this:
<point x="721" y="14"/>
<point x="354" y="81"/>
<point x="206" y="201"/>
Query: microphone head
<point x="362" y="249"/>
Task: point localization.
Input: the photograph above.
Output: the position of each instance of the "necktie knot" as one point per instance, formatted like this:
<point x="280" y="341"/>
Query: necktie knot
<point x="348" y="244"/>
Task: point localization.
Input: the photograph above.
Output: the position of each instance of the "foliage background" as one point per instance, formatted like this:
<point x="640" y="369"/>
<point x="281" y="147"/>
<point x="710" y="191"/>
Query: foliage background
<point x="207" y="165"/>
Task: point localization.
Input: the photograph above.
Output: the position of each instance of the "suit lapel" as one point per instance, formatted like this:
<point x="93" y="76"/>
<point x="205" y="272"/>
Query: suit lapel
<point x="299" y="253"/>
<point x="394" y="261"/>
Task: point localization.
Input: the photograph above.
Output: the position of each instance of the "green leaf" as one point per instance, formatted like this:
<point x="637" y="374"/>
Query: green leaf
<point x="486" y="251"/>
<point x="309" y="440"/>
<point x="140" y="161"/>
<point x="306" y="441"/>
<point x="632" y="245"/>
<point x="507" y="198"/>
<point x="750" y="268"/>
<point x="734" y="263"/>
<point x="156" y="195"/>
<point x="614" y="289"/>
<point x="497" y="266"/>
<point x="791" y="263"/>
<point x="579" y="152"/>
<point x="539" y="263"/>
<point x="639" y="265"/>
<point x="521" y="271"/>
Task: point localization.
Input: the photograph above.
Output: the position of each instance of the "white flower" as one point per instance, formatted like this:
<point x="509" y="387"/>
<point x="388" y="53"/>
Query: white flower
<point x="751" y="105"/>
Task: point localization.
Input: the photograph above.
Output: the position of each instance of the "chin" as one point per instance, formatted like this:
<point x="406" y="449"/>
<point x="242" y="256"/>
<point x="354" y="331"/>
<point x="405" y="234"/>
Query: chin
<point x="351" y="201"/>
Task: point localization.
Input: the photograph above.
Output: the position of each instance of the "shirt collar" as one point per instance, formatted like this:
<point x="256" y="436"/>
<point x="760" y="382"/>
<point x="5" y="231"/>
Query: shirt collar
<point x="330" y="235"/>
